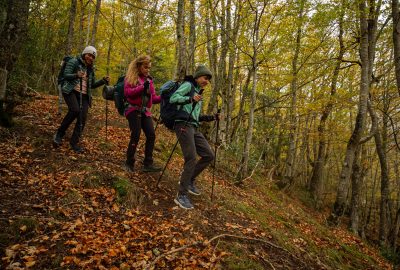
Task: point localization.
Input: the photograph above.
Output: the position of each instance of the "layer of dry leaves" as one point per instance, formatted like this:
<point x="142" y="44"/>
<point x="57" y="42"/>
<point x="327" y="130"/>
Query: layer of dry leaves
<point x="79" y="222"/>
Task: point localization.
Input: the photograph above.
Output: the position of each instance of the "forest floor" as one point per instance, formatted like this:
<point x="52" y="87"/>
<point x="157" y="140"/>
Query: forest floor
<point x="62" y="210"/>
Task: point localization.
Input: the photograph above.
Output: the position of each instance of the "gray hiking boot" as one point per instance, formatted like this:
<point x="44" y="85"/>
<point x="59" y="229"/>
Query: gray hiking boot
<point x="183" y="201"/>
<point x="77" y="148"/>
<point x="151" y="168"/>
<point x="192" y="189"/>
<point x="57" y="140"/>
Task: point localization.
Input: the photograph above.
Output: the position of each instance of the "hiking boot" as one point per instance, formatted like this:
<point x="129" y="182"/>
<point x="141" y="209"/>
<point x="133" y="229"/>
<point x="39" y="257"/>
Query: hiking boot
<point x="77" y="148"/>
<point x="183" y="201"/>
<point x="151" y="168"/>
<point x="57" y="140"/>
<point x="192" y="189"/>
<point x="128" y="167"/>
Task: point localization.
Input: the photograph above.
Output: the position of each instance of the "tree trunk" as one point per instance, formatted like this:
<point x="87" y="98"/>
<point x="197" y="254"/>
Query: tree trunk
<point x="341" y="193"/>
<point x="211" y="42"/>
<point x="316" y="183"/>
<point x="180" y="34"/>
<point x="231" y="77"/>
<point x="396" y="40"/>
<point x="291" y="152"/>
<point x="192" y="37"/>
<point x="239" y="117"/>
<point x="220" y="75"/>
<point x="95" y="23"/>
<point x="230" y="103"/>
<point x="258" y="11"/>
<point x="356" y="179"/>
<point x="110" y="42"/>
<point x="12" y="37"/>
<point x="385" y="189"/>
<point x="81" y="24"/>
<point x="70" y="35"/>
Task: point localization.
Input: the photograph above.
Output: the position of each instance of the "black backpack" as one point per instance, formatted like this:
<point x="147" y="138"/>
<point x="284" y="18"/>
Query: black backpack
<point x="116" y="93"/>
<point x="60" y="78"/>
<point x="169" y="112"/>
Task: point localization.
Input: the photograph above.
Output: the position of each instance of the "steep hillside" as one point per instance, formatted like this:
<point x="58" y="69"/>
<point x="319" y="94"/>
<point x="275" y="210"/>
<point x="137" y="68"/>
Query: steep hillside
<point x="61" y="210"/>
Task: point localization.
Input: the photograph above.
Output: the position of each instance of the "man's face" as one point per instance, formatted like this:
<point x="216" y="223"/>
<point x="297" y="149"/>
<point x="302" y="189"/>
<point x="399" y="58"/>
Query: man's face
<point x="203" y="81"/>
<point x="89" y="59"/>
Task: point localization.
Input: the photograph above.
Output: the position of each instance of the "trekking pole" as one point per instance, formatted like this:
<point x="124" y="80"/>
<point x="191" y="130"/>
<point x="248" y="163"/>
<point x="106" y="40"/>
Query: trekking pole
<point x="106" y="114"/>
<point x="215" y="154"/>
<point x="158" y="121"/>
<point x="60" y="99"/>
<point x="80" y="107"/>
<point x="177" y="141"/>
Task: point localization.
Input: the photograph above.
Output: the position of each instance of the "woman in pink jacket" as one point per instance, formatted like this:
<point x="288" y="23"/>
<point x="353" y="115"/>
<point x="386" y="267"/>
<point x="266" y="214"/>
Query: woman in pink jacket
<point x="140" y="93"/>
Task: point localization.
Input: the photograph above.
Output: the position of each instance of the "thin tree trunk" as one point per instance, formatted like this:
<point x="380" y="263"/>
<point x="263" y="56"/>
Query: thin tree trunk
<point x="316" y="183"/>
<point x="231" y="78"/>
<point x="81" y="26"/>
<point x="180" y="34"/>
<point x="211" y="47"/>
<point x="95" y="23"/>
<point x="396" y="40"/>
<point x="239" y="117"/>
<point x="220" y="76"/>
<point x="384" y="204"/>
<point x="70" y="35"/>
<point x="254" y="66"/>
<point x="356" y="179"/>
<point x="192" y="37"/>
<point x="110" y="41"/>
<point x="291" y="153"/>
<point x="341" y="193"/>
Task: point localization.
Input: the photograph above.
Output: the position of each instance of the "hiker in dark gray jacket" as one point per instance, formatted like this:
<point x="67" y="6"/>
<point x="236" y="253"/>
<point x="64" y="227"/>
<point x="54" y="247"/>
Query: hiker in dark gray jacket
<point x="191" y="140"/>
<point x="79" y="79"/>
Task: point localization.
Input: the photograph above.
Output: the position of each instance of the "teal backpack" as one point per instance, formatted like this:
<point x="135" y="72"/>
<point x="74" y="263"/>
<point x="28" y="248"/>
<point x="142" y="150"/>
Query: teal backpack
<point x="116" y="93"/>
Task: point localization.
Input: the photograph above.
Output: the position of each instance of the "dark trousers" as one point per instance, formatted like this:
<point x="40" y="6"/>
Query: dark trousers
<point x="137" y="122"/>
<point x="74" y="112"/>
<point x="192" y="143"/>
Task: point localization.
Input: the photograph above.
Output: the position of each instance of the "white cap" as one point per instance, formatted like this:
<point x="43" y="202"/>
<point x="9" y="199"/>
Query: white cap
<point x="91" y="50"/>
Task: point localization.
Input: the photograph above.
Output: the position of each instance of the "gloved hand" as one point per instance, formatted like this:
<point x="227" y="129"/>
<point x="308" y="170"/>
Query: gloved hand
<point x="106" y="79"/>
<point x="217" y="116"/>
<point x="146" y="85"/>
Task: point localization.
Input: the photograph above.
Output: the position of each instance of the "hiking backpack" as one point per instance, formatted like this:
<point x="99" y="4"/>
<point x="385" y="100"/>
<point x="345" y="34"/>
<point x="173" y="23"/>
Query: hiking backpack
<point x="119" y="97"/>
<point x="169" y="112"/>
<point x="116" y="93"/>
<point x="60" y="78"/>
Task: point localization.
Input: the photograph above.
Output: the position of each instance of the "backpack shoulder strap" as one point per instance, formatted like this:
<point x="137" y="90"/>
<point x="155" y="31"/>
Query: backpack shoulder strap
<point x="192" y="90"/>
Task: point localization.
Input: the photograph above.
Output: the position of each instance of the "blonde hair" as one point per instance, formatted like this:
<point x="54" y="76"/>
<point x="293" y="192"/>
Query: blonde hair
<point x="132" y="75"/>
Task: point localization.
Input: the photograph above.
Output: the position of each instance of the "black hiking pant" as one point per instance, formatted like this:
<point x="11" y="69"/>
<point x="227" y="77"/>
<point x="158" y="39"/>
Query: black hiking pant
<point x="137" y="122"/>
<point x="74" y="112"/>
<point x="192" y="143"/>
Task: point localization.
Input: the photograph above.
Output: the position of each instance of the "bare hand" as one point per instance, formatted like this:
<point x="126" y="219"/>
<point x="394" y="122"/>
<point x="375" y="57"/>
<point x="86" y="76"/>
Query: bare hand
<point x="197" y="98"/>
<point x="81" y="74"/>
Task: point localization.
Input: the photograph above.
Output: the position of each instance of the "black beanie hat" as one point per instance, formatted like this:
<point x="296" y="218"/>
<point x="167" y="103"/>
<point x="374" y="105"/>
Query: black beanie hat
<point x="202" y="70"/>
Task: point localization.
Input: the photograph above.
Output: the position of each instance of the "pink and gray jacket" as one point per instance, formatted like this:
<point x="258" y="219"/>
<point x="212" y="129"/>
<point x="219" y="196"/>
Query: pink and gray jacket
<point x="134" y="95"/>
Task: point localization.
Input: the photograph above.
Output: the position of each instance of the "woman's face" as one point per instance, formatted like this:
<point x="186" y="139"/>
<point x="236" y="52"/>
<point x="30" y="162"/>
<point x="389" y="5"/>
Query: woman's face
<point x="89" y="59"/>
<point x="203" y="81"/>
<point x="144" y="69"/>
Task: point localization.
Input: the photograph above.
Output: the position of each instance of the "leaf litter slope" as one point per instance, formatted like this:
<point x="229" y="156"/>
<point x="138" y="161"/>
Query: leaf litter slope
<point x="62" y="210"/>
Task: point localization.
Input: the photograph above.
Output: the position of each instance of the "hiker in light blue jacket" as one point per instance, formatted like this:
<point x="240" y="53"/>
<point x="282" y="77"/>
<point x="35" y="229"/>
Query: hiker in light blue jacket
<point x="191" y="140"/>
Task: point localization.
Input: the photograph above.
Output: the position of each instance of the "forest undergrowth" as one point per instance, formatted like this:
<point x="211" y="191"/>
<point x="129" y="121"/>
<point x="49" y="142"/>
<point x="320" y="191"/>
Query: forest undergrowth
<point x="62" y="210"/>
